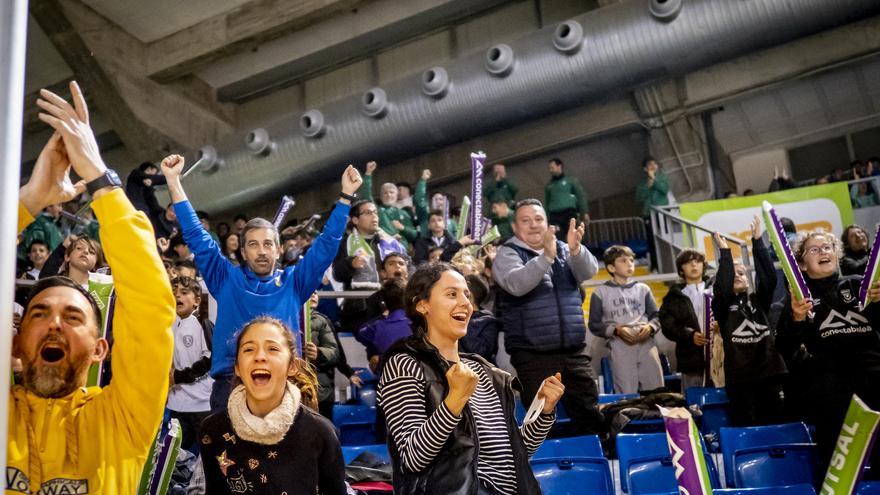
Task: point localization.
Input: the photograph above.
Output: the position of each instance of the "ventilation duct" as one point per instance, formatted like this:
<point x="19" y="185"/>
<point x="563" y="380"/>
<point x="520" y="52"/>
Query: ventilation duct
<point x="556" y="68"/>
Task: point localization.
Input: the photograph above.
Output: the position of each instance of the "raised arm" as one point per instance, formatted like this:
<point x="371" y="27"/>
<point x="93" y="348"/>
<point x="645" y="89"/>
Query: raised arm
<point x="214" y="266"/>
<point x="309" y="272"/>
<point x="365" y="191"/>
<point x="766" y="272"/>
<point x="145" y="305"/>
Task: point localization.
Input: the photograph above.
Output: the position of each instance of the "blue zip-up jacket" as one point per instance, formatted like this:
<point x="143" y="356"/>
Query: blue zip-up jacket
<point x="241" y="295"/>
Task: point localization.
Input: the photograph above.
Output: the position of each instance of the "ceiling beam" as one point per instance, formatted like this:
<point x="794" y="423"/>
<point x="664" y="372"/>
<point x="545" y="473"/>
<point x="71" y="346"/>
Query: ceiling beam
<point x="181" y="53"/>
<point x="150" y="118"/>
<point x="137" y="136"/>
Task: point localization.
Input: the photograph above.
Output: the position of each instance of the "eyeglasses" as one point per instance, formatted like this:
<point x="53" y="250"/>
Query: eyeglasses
<point x="824" y="248"/>
<point x="371" y="212"/>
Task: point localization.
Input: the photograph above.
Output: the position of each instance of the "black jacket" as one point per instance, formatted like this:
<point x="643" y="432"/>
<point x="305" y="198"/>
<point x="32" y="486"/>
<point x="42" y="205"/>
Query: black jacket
<point x="679" y="322"/>
<point x="854" y="263"/>
<point x="840" y="339"/>
<point x="306" y="461"/>
<point x="749" y="342"/>
<point x="355" y="312"/>
<point x="423" y="246"/>
<point x="454" y="470"/>
<point x="143" y="196"/>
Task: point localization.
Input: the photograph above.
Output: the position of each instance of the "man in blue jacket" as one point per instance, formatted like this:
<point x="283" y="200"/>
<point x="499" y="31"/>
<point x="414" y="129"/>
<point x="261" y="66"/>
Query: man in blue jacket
<point x="256" y="287"/>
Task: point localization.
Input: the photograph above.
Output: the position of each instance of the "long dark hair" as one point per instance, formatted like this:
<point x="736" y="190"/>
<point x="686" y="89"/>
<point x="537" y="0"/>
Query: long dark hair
<point x="419" y="289"/>
<point x="304" y="377"/>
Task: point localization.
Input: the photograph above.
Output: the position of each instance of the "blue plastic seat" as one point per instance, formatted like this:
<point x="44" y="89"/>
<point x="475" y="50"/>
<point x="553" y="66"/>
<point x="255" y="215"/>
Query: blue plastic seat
<point x="574" y="475"/>
<point x="585" y="446"/>
<point x="713" y="403"/>
<point x="607" y="377"/>
<point x="646" y="464"/>
<point x="868" y="488"/>
<point x="671" y="381"/>
<point x="356" y="423"/>
<point x="764" y="456"/>
<point x="350" y="452"/>
<point x="776" y="490"/>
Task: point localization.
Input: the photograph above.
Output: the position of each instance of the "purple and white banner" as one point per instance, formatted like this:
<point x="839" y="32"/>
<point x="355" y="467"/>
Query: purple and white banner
<point x="872" y="271"/>
<point x="783" y="251"/>
<point x="688" y="460"/>
<point x="287" y="203"/>
<point x="478" y="159"/>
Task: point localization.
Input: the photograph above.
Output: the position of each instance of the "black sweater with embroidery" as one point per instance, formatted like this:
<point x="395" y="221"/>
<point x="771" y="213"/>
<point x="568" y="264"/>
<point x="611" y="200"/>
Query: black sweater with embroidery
<point x="307" y="461"/>
<point x="749" y="342"/>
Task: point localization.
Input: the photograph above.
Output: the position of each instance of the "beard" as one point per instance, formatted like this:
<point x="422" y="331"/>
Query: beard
<point x="56" y="381"/>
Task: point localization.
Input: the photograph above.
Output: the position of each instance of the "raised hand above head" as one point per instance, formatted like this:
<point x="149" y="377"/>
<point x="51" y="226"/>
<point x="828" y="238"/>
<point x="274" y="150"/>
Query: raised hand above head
<point x="50" y="179"/>
<point x="371" y="167"/>
<point x="352" y="180"/>
<point x="575" y="236"/>
<point x="172" y="166"/>
<point x="72" y="123"/>
<point x="756" y="227"/>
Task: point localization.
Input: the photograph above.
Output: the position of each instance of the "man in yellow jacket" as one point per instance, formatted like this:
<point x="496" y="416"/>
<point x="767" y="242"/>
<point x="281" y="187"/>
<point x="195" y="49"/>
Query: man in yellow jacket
<point x="63" y="437"/>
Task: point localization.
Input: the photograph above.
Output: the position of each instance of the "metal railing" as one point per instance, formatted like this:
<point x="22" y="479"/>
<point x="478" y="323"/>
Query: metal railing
<point x="673" y="234"/>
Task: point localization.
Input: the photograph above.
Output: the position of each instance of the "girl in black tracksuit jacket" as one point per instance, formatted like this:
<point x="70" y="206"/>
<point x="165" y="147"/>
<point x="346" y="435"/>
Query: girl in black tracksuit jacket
<point x="753" y="369"/>
<point x="842" y="342"/>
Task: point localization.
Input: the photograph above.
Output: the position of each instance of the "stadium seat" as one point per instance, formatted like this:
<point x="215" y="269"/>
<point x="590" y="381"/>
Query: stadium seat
<point x="776" y="490"/>
<point x="713" y="403"/>
<point x="356" y="423"/>
<point x="868" y="488"/>
<point x="672" y="381"/>
<point x="607" y="377"/>
<point x="764" y="456"/>
<point x="574" y="475"/>
<point x="563" y="423"/>
<point x="585" y="446"/>
<point x="646" y="464"/>
<point x="349" y="453"/>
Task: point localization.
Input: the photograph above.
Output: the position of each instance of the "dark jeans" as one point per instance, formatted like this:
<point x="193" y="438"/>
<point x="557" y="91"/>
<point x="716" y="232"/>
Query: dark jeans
<point x="561" y="220"/>
<point x="756" y="403"/>
<point x="581" y="394"/>
<point x="190" y="424"/>
<point x="220" y="392"/>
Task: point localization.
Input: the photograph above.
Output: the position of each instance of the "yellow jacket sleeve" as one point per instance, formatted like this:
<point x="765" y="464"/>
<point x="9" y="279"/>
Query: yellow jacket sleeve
<point x="144" y="312"/>
<point x="24" y="217"/>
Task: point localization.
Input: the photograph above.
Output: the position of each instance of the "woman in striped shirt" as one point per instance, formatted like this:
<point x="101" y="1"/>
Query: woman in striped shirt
<point x="450" y="416"/>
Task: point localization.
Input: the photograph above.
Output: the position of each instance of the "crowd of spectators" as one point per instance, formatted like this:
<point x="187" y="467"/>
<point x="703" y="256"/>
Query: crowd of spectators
<point x="207" y="321"/>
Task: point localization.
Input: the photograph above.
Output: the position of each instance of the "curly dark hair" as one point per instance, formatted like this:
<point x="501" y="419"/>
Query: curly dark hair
<point x="419" y="289"/>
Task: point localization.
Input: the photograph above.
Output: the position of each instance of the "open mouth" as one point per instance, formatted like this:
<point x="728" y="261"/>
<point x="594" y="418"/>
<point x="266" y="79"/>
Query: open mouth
<point x="260" y="377"/>
<point x="462" y="317"/>
<point x="824" y="261"/>
<point x="52" y="353"/>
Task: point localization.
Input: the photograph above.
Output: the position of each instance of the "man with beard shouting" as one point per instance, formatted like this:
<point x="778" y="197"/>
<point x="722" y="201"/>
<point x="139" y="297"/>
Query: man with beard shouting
<point x="64" y="437"/>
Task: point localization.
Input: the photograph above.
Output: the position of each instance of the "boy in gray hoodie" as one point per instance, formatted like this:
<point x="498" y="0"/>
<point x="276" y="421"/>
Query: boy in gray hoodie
<point x="625" y="314"/>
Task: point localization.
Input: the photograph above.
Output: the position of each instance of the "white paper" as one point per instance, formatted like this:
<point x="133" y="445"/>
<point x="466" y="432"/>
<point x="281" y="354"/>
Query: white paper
<point x="535" y="409"/>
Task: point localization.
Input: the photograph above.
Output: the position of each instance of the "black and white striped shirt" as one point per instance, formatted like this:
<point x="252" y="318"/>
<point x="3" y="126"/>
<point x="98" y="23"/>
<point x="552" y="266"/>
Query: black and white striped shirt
<point x="419" y="437"/>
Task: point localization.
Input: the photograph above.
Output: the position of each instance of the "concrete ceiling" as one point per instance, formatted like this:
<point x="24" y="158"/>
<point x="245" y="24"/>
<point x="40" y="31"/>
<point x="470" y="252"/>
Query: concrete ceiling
<point x="837" y="101"/>
<point x="155" y="19"/>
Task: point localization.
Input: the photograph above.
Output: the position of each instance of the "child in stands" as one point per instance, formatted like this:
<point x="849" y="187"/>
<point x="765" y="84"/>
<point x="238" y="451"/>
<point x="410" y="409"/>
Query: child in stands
<point x="190" y="391"/>
<point x="482" y="331"/>
<point x="379" y="334"/>
<point x="842" y="341"/>
<point x="681" y="320"/>
<point x="624" y="312"/>
<point x="270" y="438"/>
<point x="753" y="369"/>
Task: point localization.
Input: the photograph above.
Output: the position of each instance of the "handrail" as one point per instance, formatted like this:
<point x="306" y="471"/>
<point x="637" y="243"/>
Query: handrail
<point x="736" y="240"/>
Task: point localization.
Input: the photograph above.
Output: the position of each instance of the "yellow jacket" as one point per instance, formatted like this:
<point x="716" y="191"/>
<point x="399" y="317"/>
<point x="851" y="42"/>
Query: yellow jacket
<point x="95" y="440"/>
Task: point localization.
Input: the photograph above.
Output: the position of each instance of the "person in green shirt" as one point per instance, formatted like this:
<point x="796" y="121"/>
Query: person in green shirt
<point x="44" y="228"/>
<point x="423" y="208"/>
<point x="564" y="199"/>
<point x="502" y="217"/>
<point x="397" y="222"/>
<point x="652" y="191"/>
<point x="500" y="188"/>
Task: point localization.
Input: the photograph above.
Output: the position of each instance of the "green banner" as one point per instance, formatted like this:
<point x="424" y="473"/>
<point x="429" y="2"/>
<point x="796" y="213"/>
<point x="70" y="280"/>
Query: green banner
<point x="852" y="450"/>
<point x="101" y="288"/>
<point x="825" y="206"/>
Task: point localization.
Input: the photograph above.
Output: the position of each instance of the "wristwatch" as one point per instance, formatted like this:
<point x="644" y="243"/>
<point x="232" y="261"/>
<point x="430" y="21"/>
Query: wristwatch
<point x="110" y="178"/>
<point x="350" y="197"/>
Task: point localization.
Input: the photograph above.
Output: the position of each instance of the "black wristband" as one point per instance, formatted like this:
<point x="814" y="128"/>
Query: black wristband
<point x="350" y="197"/>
